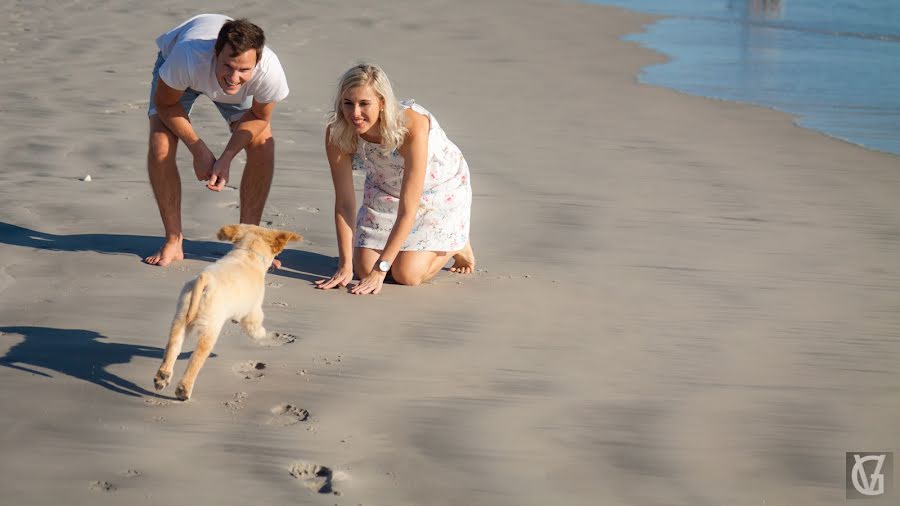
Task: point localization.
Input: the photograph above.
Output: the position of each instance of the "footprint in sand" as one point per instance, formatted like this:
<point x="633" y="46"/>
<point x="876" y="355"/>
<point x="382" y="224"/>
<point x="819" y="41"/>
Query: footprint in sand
<point x="309" y="209"/>
<point x="131" y="473"/>
<point x="327" y="361"/>
<point x="156" y="402"/>
<point x="314" y="477"/>
<point x="276" y="339"/>
<point x="236" y="402"/>
<point x="286" y="414"/>
<point x="274" y="284"/>
<point x="250" y="369"/>
<point x="102" y="486"/>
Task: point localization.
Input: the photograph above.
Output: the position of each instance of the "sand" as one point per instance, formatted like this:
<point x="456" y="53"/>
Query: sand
<point x="678" y="300"/>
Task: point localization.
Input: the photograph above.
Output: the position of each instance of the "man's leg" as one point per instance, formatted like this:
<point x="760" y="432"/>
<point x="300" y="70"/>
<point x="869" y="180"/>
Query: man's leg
<point x="166" y="185"/>
<point x="257" y="178"/>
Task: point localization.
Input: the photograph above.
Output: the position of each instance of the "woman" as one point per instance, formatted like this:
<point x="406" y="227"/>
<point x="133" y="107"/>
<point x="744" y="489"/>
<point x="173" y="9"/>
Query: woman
<point x="417" y="197"/>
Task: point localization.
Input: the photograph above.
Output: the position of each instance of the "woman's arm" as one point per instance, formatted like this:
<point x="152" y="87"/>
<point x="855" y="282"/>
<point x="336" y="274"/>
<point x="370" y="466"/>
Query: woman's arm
<point x="344" y="213"/>
<point x="415" y="155"/>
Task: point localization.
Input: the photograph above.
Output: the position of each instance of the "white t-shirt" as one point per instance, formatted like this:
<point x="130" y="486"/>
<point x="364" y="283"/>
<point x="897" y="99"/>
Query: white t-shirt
<point x="189" y="54"/>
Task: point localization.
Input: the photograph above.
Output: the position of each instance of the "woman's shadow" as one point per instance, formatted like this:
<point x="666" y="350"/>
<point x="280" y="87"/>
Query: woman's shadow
<point x="296" y="264"/>
<point x="78" y="353"/>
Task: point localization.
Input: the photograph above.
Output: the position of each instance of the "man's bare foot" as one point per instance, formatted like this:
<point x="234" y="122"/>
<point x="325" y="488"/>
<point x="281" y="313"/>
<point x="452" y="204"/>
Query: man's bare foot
<point x="170" y="251"/>
<point x="464" y="260"/>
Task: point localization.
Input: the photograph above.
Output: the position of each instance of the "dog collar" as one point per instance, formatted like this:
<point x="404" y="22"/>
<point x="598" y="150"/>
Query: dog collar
<point x="261" y="258"/>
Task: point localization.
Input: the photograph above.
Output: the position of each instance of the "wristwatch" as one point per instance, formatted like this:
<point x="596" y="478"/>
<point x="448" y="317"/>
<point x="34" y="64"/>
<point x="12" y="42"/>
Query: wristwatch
<point x="383" y="266"/>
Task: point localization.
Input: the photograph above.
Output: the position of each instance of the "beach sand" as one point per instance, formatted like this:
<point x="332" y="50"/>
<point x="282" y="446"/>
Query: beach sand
<point x="678" y="301"/>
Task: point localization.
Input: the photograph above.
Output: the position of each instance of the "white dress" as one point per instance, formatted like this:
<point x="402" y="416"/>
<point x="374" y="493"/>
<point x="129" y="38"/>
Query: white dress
<point x="442" y="219"/>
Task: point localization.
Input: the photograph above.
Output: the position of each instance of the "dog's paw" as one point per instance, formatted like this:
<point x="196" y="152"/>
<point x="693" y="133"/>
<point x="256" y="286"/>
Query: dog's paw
<point x="162" y="379"/>
<point x="259" y="333"/>
<point x="182" y="392"/>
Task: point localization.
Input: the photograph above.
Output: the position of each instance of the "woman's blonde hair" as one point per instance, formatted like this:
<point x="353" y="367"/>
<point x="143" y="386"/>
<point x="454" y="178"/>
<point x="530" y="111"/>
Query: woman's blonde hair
<point x="392" y="125"/>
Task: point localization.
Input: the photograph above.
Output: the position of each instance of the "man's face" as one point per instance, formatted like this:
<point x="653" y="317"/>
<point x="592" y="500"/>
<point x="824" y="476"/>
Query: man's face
<point x="233" y="71"/>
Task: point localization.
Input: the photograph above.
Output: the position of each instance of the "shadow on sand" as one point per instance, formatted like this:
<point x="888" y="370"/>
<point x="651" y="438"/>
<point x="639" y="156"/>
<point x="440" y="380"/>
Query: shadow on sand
<point x="297" y="264"/>
<point x="78" y="353"/>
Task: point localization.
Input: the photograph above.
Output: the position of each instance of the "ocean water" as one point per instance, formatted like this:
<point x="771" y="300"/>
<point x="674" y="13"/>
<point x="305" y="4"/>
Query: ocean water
<point x="833" y="64"/>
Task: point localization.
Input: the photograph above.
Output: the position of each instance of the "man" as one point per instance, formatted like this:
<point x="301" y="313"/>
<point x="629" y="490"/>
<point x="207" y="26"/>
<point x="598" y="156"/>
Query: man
<point x="227" y="61"/>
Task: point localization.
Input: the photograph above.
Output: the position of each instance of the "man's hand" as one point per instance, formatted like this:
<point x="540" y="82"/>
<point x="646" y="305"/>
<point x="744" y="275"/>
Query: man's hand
<point x="219" y="175"/>
<point x="203" y="160"/>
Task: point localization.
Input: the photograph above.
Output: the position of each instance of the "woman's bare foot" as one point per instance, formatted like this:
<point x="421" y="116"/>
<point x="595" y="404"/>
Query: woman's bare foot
<point x="170" y="251"/>
<point x="464" y="260"/>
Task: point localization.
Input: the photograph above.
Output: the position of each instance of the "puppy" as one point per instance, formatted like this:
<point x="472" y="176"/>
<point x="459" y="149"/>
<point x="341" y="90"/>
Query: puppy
<point x="232" y="288"/>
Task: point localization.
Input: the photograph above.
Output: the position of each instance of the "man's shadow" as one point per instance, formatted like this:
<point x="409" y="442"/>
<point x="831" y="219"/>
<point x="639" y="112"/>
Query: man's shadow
<point x="77" y="353"/>
<point x="297" y="264"/>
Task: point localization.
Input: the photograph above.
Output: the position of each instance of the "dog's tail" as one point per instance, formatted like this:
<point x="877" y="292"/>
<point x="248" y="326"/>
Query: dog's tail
<point x="196" y="295"/>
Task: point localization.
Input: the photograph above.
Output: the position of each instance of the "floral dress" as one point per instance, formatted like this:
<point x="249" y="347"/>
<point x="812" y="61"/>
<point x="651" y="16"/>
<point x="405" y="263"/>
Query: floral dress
<point x="442" y="219"/>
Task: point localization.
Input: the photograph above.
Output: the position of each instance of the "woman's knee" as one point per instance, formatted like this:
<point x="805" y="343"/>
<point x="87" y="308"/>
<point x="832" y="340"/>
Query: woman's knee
<point x="407" y="277"/>
<point x="364" y="261"/>
<point x="412" y="268"/>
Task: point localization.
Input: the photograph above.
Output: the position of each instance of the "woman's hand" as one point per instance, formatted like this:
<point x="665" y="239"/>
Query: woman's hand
<point x="342" y="277"/>
<point x="370" y="284"/>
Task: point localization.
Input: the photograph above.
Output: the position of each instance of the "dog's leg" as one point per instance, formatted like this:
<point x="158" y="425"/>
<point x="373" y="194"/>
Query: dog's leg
<point x="252" y="324"/>
<point x="173" y="347"/>
<point x="208" y="335"/>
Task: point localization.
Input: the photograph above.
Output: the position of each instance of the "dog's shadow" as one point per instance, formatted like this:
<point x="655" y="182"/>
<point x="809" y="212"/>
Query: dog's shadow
<point x="78" y="353"/>
<point x="305" y="265"/>
<point x="297" y="264"/>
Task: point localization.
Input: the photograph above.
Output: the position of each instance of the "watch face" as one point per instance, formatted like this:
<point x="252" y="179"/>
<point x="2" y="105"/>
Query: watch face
<point x="384" y="266"/>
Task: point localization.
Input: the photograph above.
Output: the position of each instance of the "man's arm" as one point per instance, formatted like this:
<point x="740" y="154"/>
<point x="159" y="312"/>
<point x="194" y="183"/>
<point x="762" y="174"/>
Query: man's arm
<point x="253" y="123"/>
<point x="173" y="115"/>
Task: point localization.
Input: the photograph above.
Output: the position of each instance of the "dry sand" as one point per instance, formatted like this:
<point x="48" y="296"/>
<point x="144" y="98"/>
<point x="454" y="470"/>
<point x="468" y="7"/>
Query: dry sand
<point x="678" y="300"/>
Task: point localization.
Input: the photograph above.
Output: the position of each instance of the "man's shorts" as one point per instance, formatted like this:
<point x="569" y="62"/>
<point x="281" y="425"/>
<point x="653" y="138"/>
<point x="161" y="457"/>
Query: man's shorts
<point x="231" y="112"/>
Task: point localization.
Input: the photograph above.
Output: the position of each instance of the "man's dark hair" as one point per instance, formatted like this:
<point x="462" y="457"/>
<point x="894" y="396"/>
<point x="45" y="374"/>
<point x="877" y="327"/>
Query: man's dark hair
<point x="242" y="35"/>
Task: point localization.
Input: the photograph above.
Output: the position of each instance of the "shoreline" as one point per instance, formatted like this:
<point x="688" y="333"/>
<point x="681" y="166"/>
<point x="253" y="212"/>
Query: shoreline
<point x="798" y="117"/>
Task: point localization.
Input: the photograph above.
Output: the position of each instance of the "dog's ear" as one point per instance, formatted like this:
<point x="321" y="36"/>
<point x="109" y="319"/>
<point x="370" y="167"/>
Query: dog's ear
<point x="229" y="233"/>
<point x="280" y="239"/>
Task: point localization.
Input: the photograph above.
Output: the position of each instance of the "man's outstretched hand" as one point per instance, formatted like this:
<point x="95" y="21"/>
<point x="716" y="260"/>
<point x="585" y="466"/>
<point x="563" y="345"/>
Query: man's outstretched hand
<point x="203" y="160"/>
<point x="219" y="175"/>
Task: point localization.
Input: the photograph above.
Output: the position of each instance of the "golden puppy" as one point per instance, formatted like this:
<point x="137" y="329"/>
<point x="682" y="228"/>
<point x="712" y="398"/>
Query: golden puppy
<point x="232" y="288"/>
